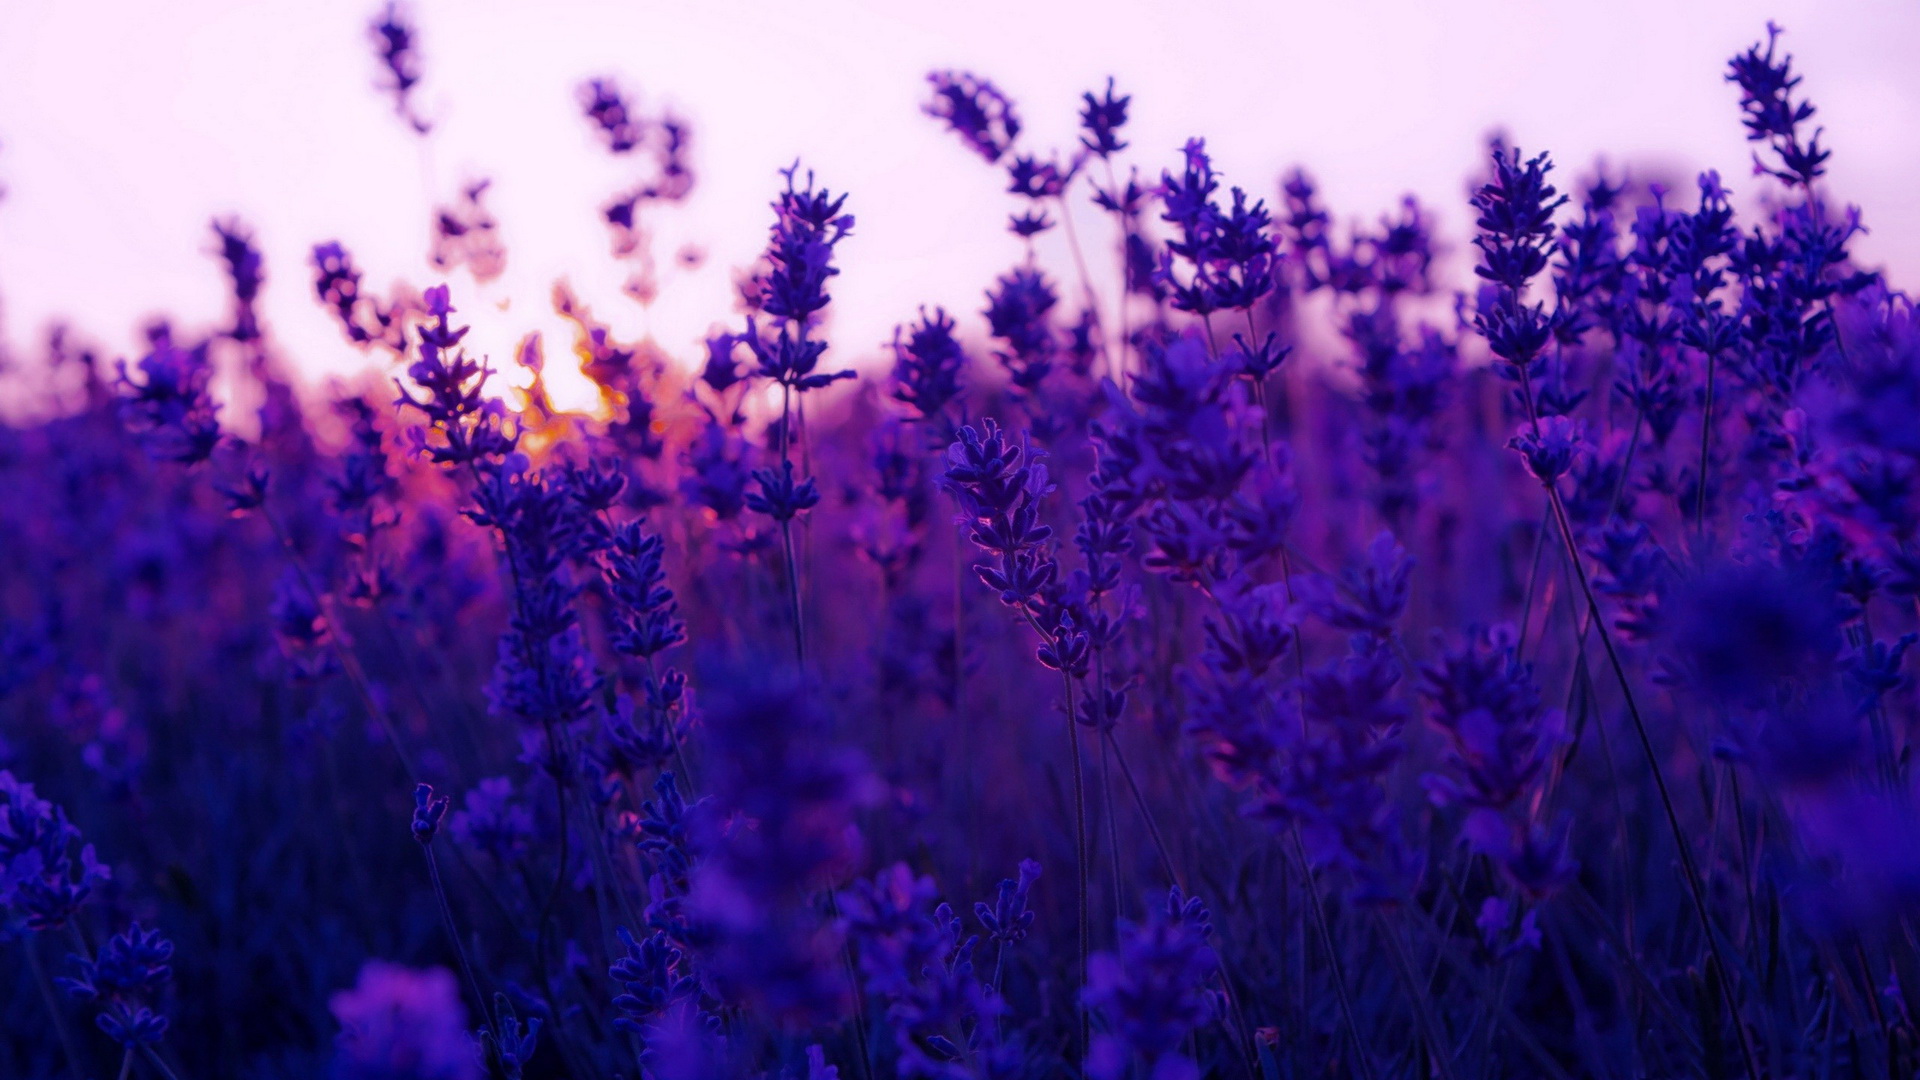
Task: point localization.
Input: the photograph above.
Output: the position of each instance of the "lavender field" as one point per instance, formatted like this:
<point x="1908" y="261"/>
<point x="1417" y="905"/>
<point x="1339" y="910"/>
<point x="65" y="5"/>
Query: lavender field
<point x="1235" y="646"/>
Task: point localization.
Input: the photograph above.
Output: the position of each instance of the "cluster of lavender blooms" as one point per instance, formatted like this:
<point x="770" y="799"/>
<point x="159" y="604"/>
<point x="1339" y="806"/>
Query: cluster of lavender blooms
<point x="1510" y="681"/>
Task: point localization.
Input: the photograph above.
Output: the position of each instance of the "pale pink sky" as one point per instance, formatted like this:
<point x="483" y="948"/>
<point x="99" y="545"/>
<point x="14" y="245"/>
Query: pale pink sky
<point x="125" y="127"/>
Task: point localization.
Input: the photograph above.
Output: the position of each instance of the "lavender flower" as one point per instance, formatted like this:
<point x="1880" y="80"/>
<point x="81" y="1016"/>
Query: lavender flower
<point x="1515" y="210"/>
<point x="365" y="321"/>
<point x="393" y="40"/>
<point x="975" y="110"/>
<point x="928" y="363"/>
<point x="999" y="496"/>
<point x="123" y="983"/>
<point x="171" y="405"/>
<point x="244" y="271"/>
<point x="1009" y="919"/>
<point x="469" y="429"/>
<point x="646" y="617"/>
<point x="1228" y="254"/>
<point x="512" y="1042"/>
<point x="1550" y="447"/>
<point x="42" y="884"/>
<point x="655" y="977"/>
<point x="1500" y="739"/>
<point x="921" y="964"/>
<point x="491" y="820"/>
<point x="545" y="676"/>
<point x="1152" y="993"/>
<point x="398" y="1023"/>
<point x="781" y="497"/>
<point x="765" y="946"/>
<point x="608" y="109"/>
<point x="427" y="812"/>
<point x="1018" y="311"/>
<point x="1772" y="115"/>
<point x="1101" y="119"/>
<point x="1241" y="571"/>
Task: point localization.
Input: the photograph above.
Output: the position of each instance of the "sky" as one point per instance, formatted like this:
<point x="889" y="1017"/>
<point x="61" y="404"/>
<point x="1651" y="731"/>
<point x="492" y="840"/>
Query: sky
<point x="126" y="127"/>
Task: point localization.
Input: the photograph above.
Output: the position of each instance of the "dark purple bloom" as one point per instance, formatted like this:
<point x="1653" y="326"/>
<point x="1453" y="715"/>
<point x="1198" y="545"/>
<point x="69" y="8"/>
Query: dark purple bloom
<point x="171" y="404"/>
<point x="975" y="110"/>
<point x="493" y="821"/>
<point x="244" y="271"/>
<point x="646" y="618"/>
<point x="1009" y="918"/>
<point x="393" y="41"/>
<point x="544" y="675"/>
<point x="781" y="497"/>
<point x="927" y="365"/>
<point x="1550" y="446"/>
<point x="1773" y="116"/>
<point x="721" y="371"/>
<point x="42" y="883"/>
<point x="1227" y="255"/>
<point x="1035" y="179"/>
<point x="469" y="429"/>
<point x="1030" y="224"/>
<point x="655" y="977"/>
<point x="611" y="116"/>
<point x="1101" y="119"/>
<point x="511" y="1041"/>
<point x="398" y="1022"/>
<point x="1516" y="234"/>
<point x="123" y="983"/>
<point x="717" y="472"/>
<point x="808" y="224"/>
<point x="999" y="498"/>
<point x="1153" y="993"/>
<point x="336" y="281"/>
<point x="1368" y="598"/>
<point x="780" y="827"/>
<point x="1019" y="310"/>
<point x="428" y="810"/>
<point x="1483" y="698"/>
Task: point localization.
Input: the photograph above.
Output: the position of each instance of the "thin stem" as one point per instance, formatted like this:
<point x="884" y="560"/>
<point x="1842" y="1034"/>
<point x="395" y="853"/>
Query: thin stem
<point x="1533" y="579"/>
<point x="1120" y="302"/>
<point x="559" y="879"/>
<point x="1079" y="837"/>
<point x="1360" y="1051"/>
<point x="1080" y="842"/>
<point x="1695" y="890"/>
<point x="1417" y="995"/>
<point x="1706" y="447"/>
<point x="1475" y="980"/>
<point x="459" y="949"/>
<point x="1146" y="814"/>
<point x="793" y="593"/>
<point x="60" y="1028"/>
<point x="348" y="661"/>
<point x="1113" y="834"/>
<point x="999" y="965"/>
<point x="853" y="983"/>
<point x="786" y="532"/>
<point x="159" y="1063"/>
<point x="1260" y="397"/>
<point x="1086" y="281"/>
